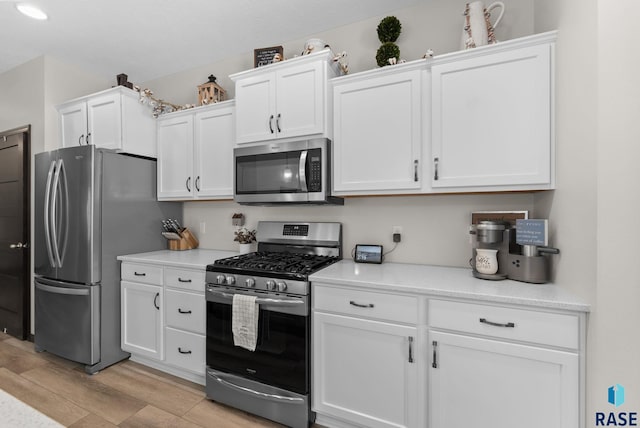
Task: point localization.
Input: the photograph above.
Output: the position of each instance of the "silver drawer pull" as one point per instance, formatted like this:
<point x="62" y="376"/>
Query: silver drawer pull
<point x="183" y="312"/>
<point x="140" y="274"/>
<point x="360" y="305"/>
<point x="183" y="280"/>
<point x="183" y="352"/>
<point x="497" y="324"/>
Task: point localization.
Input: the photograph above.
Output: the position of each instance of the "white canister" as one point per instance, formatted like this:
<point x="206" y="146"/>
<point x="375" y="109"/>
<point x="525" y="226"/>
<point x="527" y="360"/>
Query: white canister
<point x="487" y="261"/>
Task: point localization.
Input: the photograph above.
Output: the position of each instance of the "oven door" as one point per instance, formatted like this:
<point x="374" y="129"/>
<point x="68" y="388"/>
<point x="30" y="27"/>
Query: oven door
<point x="281" y="357"/>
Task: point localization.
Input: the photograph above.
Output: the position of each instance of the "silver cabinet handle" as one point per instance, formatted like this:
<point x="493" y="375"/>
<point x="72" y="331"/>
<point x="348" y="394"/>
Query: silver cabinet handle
<point x="278" y="123"/>
<point x="411" y="349"/>
<point x="360" y="305"/>
<point x="435" y="168"/>
<point x="183" y="280"/>
<point x="270" y="123"/>
<point x="88" y="135"/>
<point x="415" y="170"/>
<point x="434" y="364"/>
<point x="183" y="312"/>
<point x="80" y="139"/>
<point x="188" y="184"/>
<point x="183" y="352"/>
<point x="155" y="301"/>
<point x="497" y="324"/>
<point x="139" y="273"/>
<point x="198" y="183"/>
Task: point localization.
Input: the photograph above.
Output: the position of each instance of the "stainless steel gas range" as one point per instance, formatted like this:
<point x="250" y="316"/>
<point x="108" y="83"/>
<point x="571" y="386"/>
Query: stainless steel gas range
<point x="274" y="380"/>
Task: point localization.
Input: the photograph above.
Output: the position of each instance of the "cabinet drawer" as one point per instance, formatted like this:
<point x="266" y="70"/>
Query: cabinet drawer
<point x="185" y="310"/>
<point x="184" y="278"/>
<point x="382" y="306"/>
<point x="185" y="350"/>
<point x="141" y="273"/>
<point x="508" y="323"/>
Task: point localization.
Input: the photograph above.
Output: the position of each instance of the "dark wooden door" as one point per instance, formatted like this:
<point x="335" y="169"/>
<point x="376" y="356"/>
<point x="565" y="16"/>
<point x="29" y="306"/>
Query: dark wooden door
<point x="15" y="277"/>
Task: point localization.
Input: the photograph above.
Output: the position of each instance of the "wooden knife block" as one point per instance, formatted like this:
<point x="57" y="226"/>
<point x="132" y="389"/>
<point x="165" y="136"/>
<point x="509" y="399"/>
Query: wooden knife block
<point x="187" y="241"/>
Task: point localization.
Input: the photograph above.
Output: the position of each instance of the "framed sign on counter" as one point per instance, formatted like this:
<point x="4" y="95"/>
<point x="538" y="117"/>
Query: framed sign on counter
<point x="264" y="56"/>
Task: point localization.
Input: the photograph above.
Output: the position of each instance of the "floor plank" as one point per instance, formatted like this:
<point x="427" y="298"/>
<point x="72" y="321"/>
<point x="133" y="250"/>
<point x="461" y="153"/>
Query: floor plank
<point x="41" y="399"/>
<point x="92" y="421"/>
<point x="155" y="391"/>
<point x="153" y="417"/>
<point x="18" y="361"/>
<point x="79" y="388"/>
<point x="207" y="411"/>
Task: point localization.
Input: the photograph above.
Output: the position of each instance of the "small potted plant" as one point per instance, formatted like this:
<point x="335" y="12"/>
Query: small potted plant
<point x="245" y="239"/>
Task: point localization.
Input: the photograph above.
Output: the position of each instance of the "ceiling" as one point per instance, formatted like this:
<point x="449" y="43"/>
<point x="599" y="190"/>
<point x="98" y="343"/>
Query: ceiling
<point x="153" y="38"/>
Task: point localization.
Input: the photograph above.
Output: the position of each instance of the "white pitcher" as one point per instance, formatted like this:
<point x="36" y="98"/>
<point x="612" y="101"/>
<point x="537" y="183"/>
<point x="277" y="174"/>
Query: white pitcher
<point x="477" y="29"/>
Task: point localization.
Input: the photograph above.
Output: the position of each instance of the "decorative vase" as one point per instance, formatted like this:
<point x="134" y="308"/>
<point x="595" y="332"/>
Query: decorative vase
<point x="487" y="261"/>
<point x="246" y="248"/>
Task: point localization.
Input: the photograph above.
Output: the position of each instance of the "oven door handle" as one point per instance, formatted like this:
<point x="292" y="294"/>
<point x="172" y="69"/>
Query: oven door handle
<point x="262" y="300"/>
<point x="271" y="397"/>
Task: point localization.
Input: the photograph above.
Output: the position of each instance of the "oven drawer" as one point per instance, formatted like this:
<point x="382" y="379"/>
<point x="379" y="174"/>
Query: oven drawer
<point x="185" y="350"/>
<point x="185" y="310"/>
<point x="141" y="273"/>
<point x="184" y="278"/>
<point x="506" y="323"/>
<point x="389" y="307"/>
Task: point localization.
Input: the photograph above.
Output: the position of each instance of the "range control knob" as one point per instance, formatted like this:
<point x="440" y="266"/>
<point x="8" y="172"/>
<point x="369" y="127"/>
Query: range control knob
<point x="271" y="285"/>
<point x="250" y="282"/>
<point x="282" y="286"/>
<point x="231" y="279"/>
<point x="220" y="279"/>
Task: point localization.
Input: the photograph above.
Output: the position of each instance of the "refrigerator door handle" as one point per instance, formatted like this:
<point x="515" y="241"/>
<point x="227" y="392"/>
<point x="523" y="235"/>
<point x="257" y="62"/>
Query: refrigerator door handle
<point x="47" y="211"/>
<point x="54" y="197"/>
<point x="62" y="290"/>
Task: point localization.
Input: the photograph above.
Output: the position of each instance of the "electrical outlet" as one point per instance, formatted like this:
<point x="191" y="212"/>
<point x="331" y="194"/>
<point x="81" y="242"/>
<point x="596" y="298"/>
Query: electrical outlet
<point x="397" y="233"/>
<point x="203" y="227"/>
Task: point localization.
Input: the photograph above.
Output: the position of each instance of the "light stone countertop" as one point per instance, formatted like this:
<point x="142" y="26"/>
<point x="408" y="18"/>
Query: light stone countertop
<point x="189" y="259"/>
<point x="440" y="281"/>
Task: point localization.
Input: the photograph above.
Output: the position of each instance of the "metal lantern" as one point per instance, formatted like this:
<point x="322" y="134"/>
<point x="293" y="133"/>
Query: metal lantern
<point x="210" y="92"/>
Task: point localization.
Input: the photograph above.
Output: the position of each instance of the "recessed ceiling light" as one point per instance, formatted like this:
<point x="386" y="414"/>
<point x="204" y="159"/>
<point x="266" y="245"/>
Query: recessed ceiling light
<point x="31" y="11"/>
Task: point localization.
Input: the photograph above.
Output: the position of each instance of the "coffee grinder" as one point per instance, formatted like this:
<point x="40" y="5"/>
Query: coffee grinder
<point x="520" y="250"/>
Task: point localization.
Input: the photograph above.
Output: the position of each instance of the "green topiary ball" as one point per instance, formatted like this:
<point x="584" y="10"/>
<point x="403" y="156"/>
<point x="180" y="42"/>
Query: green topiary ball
<point x="389" y="29"/>
<point x="385" y="51"/>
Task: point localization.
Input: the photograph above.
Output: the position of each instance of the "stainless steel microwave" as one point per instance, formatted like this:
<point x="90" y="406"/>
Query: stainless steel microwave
<point x="275" y="173"/>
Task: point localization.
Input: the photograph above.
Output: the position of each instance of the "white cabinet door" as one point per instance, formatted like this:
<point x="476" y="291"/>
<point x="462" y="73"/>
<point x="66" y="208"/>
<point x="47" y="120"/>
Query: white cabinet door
<point x="486" y="383"/>
<point x="175" y="158"/>
<point x="378" y="134"/>
<point x="73" y="124"/>
<point x="142" y="319"/>
<point x="300" y="100"/>
<point x="492" y="120"/>
<point x="104" y="119"/>
<point x="256" y="108"/>
<point x="362" y="371"/>
<point x="213" y="156"/>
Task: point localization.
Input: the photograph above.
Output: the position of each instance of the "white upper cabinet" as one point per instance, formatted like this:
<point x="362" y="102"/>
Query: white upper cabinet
<point x="111" y="119"/>
<point x="195" y="153"/>
<point x="378" y="130"/>
<point x="283" y="100"/>
<point x="492" y="117"/>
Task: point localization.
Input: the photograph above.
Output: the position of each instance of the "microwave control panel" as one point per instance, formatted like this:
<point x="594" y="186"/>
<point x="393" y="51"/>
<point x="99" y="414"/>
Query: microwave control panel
<point x="315" y="172"/>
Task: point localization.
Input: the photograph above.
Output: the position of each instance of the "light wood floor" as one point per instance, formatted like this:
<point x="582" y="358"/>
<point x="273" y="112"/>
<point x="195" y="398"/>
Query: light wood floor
<point x="126" y="394"/>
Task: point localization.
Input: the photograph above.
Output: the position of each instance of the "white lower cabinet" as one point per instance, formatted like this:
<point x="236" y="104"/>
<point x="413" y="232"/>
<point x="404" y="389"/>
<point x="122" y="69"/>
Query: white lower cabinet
<point x="383" y="359"/>
<point x="365" y="370"/>
<point x="142" y="319"/>
<point x="163" y="318"/>
<point x="498" y="367"/>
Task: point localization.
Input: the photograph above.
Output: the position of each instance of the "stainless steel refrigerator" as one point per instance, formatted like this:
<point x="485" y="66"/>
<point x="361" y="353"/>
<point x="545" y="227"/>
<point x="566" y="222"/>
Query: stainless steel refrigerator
<point x="91" y="205"/>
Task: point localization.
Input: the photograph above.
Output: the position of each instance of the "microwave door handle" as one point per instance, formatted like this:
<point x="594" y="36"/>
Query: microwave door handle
<point x="47" y="214"/>
<point x="302" y="170"/>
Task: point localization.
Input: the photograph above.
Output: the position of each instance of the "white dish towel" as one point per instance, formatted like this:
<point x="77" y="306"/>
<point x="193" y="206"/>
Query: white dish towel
<point x="244" y="321"/>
